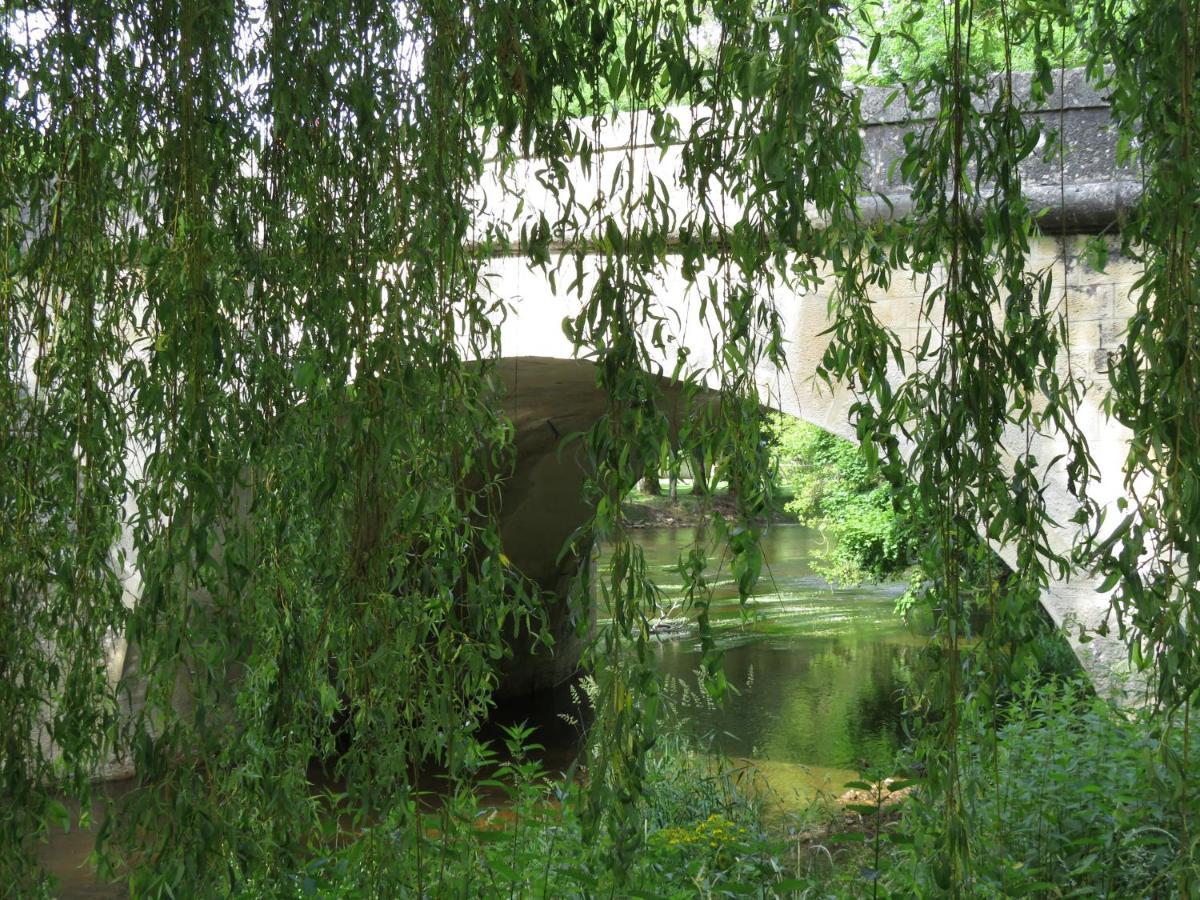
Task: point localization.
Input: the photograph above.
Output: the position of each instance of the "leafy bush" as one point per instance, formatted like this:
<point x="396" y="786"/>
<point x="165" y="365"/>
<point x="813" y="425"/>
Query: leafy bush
<point x="913" y="38"/>
<point x="1065" y="795"/>
<point x="1069" y="796"/>
<point x="832" y="488"/>
<point x="703" y="836"/>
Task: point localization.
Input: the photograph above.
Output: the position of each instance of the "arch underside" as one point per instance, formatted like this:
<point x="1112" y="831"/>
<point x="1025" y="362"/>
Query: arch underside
<point x="543" y="504"/>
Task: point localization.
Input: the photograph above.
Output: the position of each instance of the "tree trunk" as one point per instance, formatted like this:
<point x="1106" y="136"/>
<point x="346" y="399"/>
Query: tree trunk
<point x="650" y="483"/>
<point x="699" y="475"/>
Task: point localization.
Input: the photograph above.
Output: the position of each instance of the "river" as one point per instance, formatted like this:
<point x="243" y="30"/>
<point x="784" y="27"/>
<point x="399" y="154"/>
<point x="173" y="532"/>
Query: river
<point x="814" y="667"/>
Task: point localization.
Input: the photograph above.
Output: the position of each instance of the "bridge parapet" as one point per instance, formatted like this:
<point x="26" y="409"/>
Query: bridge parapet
<point x="1074" y="178"/>
<point x="1081" y="190"/>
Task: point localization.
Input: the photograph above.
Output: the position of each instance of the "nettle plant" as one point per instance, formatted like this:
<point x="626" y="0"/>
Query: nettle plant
<point x="242" y="313"/>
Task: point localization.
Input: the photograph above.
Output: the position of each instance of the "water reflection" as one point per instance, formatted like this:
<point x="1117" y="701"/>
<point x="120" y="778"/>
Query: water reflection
<point x="814" y="666"/>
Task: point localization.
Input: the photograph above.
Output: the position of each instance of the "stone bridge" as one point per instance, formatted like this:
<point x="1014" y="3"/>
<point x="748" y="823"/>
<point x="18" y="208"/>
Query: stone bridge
<point x="551" y="393"/>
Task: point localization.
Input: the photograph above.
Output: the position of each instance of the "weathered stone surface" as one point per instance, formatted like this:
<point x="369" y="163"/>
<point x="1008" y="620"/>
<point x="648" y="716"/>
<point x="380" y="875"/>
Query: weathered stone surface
<point x="1081" y="190"/>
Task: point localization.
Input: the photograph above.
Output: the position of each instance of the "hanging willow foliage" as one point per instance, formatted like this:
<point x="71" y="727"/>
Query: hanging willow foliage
<point x="984" y="381"/>
<point x="242" y="317"/>
<point x="1154" y="87"/>
<point x="1153" y="553"/>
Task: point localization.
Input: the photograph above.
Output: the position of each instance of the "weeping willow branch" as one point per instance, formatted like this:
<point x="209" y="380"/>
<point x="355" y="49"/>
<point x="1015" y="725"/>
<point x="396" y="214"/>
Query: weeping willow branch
<point x="244" y="307"/>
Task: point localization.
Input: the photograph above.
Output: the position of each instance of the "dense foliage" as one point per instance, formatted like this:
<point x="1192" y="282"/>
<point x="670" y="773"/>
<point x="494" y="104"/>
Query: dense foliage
<point x="243" y="316"/>
<point x="829" y="485"/>
<point x="703" y="819"/>
<point x="913" y="37"/>
<point x="1066" y="796"/>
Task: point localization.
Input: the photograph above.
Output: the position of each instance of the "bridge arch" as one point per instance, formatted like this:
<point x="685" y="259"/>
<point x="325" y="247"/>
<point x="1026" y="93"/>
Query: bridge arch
<point x="1081" y="194"/>
<point x="544" y="502"/>
<point x="1095" y="303"/>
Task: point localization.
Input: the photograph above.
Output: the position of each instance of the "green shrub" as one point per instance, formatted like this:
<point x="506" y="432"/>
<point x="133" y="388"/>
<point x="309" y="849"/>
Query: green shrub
<point x="1064" y="796"/>
<point x="831" y="487"/>
<point x="1069" y="796"/>
<point x="703" y="836"/>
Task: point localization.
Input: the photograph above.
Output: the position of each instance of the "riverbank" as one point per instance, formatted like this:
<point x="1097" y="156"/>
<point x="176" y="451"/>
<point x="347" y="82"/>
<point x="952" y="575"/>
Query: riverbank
<point x="642" y="510"/>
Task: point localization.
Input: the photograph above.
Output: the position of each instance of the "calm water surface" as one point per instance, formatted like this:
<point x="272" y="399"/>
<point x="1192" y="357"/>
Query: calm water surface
<point x="814" y="666"/>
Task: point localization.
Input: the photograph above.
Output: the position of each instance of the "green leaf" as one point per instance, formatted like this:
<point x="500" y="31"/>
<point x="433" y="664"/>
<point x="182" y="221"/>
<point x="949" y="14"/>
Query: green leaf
<point x="57" y="815"/>
<point x="303" y="375"/>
